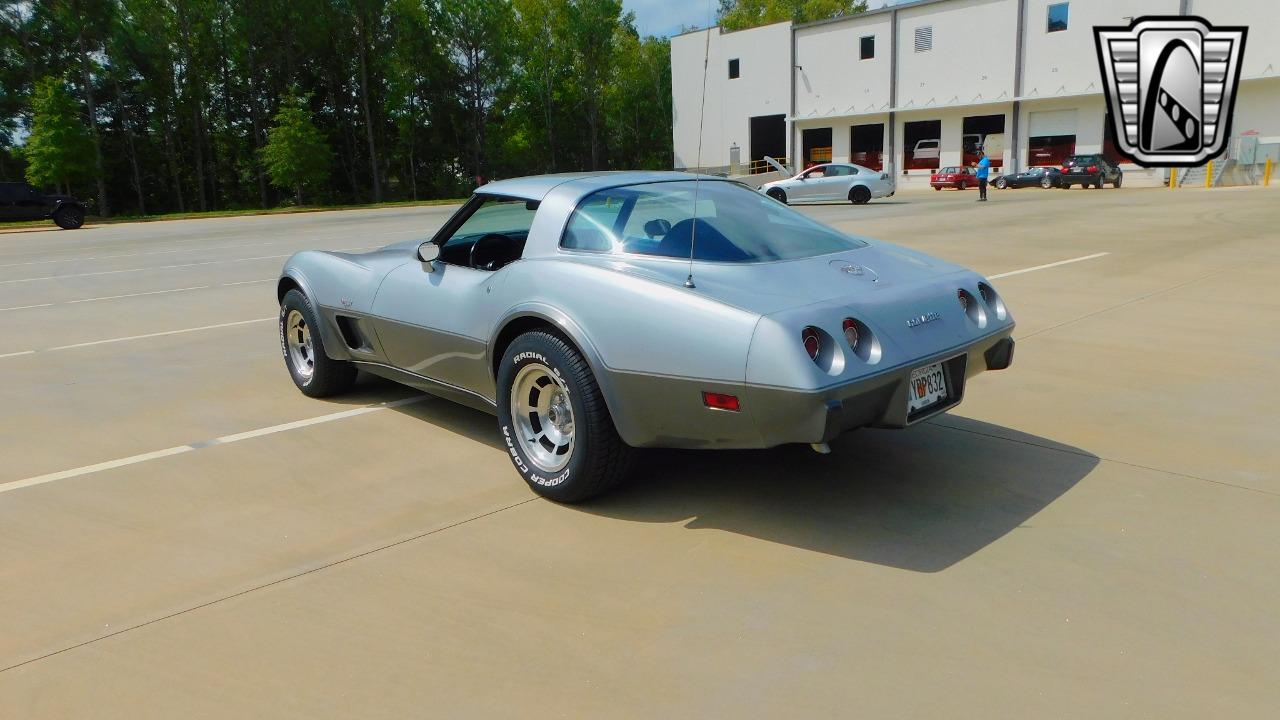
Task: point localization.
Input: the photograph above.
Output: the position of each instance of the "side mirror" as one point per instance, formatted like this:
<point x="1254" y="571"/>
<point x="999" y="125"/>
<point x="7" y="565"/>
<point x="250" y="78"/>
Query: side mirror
<point x="428" y="252"/>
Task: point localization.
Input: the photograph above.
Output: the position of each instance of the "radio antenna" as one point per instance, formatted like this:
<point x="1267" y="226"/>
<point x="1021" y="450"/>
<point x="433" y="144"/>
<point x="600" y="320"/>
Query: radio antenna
<point x="702" y="114"/>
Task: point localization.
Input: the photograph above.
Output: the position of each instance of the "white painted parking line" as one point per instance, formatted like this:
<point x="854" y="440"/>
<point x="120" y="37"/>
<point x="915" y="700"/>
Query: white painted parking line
<point x="142" y="269"/>
<point x="140" y="294"/>
<point x="138" y="337"/>
<point x="137" y="254"/>
<point x="224" y="440"/>
<point x="170" y="267"/>
<point x="155" y="334"/>
<point x="1046" y="267"/>
<point x="26" y="307"/>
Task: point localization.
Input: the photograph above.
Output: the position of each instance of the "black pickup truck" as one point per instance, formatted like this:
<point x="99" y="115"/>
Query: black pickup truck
<point x="20" y="201"/>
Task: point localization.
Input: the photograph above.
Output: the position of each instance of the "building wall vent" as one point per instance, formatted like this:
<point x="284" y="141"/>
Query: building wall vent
<point x="924" y="38"/>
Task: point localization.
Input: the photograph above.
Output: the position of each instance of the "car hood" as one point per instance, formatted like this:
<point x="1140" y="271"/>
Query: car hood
<point x="878" y="270"/>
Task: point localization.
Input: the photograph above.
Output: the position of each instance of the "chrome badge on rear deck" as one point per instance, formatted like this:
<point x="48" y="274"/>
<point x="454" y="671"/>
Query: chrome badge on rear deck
<point x="1170" y="87"/>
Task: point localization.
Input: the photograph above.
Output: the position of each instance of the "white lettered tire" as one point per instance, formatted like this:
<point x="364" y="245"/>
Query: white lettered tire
<point x="554" y="422"/>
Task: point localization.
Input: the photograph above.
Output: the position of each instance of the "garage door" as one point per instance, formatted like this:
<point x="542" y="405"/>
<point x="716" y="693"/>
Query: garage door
<point x="1053" y="122"/>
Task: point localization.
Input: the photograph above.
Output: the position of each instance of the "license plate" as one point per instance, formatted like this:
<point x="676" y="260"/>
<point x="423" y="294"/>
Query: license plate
<point x="928" y="386"/>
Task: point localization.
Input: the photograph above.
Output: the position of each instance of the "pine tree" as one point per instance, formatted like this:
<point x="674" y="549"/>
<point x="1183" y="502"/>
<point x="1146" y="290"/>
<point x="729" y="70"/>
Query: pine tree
<point x="296" y="154"/>
<point x="59" y="150"/>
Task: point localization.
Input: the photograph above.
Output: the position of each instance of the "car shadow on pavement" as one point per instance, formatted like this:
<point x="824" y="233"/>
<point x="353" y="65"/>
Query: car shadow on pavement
<point x="922" y="499"/>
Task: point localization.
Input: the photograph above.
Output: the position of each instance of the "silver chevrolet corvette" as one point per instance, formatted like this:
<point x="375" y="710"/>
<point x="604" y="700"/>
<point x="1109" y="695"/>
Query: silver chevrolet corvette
<point x="599" y="313"/>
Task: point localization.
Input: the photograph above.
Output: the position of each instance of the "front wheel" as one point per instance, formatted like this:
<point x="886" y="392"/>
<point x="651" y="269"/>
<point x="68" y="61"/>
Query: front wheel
<point x="859" y="195"/>
<point x="69" y="218"/>
<point x="1001" y="184"/>
<point x="1119" y="179"/>
<point x="778" y="194"/>
<point x="314" y="372"/>
<point x="1046" y="183"/>
<point x="554" y="421"/>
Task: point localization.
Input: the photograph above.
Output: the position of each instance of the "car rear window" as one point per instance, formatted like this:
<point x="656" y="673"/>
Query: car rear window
<point x="1080" y="160"/>
<point x="947" y="170"/>
<point x="732" y="223"/>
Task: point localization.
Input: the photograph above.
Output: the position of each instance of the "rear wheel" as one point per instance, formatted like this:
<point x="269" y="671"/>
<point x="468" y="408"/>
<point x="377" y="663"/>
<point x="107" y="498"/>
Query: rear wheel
<point x="859" y="195"/>
<point x="314" y="372"/>
<point x="1046" y="183"/>
<point x="1119" y="179"/>
<point x="962" y="186"/>
<point x="778" y="194"/>
<point x="937" y="187"/>
<point x="69" y="217"/>
<point x="554" y="420"/>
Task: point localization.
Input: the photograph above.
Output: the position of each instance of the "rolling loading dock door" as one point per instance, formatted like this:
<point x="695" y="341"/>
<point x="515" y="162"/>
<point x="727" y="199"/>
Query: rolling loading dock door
<point x="1051" y="137"/>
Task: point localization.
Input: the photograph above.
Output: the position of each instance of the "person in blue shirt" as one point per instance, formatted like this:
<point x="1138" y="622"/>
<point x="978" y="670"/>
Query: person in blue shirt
<point x="984" y="169"/>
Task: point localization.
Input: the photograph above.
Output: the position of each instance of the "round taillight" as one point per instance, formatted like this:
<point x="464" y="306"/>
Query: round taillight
<point x="993" y="301"/>
<point x="851" y="333"/>
<point x="812" y="342"/>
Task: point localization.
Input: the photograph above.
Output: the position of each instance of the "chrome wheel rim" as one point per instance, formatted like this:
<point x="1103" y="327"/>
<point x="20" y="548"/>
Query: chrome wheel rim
<point x="297" y="338"/>
<point x="543" y="417"/>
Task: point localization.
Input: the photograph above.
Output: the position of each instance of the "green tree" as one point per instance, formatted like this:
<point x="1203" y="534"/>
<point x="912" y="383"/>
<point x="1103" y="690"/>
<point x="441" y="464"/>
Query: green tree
<point x="59" y="150"/>
<point x="638" y="102"/>
<point x="296" y="154"/>
<point x="743" y="14"/>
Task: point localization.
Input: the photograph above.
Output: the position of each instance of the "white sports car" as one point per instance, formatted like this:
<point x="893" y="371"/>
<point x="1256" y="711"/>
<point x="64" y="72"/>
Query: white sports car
<point x="832" y="182"/>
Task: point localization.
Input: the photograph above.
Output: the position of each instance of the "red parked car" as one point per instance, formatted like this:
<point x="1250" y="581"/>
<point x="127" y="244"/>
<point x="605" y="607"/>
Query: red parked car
<point x="953" y="177"/>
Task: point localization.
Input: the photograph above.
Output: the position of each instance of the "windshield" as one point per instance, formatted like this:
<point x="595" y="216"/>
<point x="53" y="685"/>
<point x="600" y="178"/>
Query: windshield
<point x="951" y="170"/>
<point x="733" y="224"/>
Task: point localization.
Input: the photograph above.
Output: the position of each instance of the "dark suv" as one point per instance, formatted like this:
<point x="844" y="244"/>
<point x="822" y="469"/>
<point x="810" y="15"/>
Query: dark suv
<point x="1089" y="170"/>
<point x="20" y="201"/>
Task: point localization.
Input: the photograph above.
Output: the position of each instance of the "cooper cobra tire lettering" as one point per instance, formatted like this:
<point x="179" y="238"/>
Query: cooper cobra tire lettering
<point x="598" y="459"/>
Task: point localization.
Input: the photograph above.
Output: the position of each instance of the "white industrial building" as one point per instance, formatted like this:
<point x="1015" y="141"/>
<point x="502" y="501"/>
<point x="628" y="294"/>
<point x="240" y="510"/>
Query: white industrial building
<point x="913" y="86"/>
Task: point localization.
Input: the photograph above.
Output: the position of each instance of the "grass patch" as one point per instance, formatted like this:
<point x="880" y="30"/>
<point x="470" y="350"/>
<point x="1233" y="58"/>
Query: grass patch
<point x="243" y="212"/>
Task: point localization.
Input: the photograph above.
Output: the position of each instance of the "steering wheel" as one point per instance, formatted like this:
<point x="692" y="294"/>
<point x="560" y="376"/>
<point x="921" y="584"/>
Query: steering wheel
<point x="492" y="251"/>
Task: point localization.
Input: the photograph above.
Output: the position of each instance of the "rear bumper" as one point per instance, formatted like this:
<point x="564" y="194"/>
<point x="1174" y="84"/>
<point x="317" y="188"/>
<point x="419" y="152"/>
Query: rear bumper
<point x="1082" y="179"/>
<point x="792" y="416"/>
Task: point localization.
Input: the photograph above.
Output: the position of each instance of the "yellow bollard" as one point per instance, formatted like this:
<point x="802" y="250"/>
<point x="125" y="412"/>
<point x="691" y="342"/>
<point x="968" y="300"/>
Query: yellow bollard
<point x="1266" y="174"/>
<point x="1208" y="175"/>
<point x="1173" y="178"/>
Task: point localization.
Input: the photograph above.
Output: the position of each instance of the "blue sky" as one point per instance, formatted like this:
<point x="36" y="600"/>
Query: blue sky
<point x="666" y="17"/>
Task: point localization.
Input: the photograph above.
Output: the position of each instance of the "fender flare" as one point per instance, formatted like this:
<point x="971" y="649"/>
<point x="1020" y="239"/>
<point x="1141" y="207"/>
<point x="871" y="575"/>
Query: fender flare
<point x="567" y="325"/>
<point x="328" y="334"/>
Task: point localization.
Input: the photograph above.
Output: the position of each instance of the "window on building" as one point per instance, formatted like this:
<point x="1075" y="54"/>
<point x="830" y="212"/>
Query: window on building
<point x="924" y="38"/>
<point x="733" y="69"/>
<point x="1058" y="17"/>
<point x="867" y="49"/>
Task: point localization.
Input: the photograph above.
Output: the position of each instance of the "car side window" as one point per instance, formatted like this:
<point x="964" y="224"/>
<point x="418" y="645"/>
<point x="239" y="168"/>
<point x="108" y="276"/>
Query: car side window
<point x="594" y="225"/>
<point x="500" y="226"/>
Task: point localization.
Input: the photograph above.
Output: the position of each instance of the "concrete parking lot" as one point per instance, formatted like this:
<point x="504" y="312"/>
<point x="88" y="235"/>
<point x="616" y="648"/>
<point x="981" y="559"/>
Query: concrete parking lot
<point x="1093" y="533"/>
